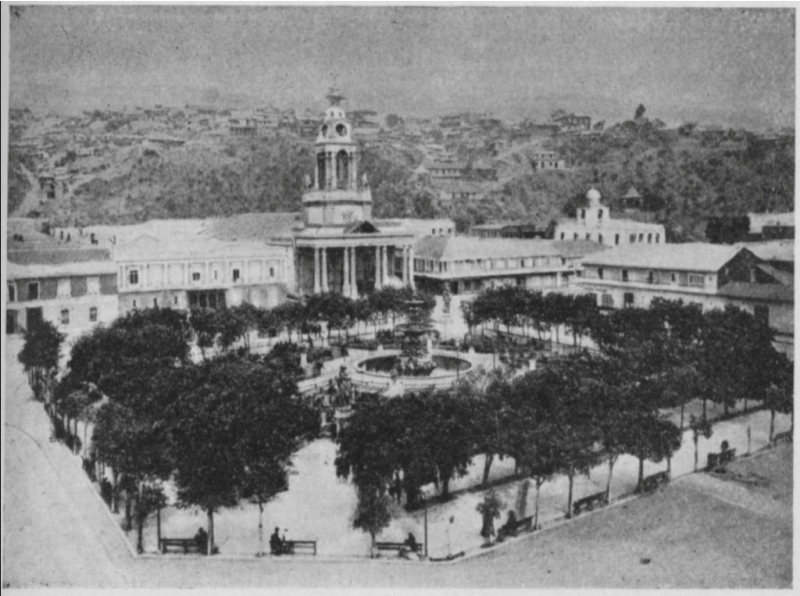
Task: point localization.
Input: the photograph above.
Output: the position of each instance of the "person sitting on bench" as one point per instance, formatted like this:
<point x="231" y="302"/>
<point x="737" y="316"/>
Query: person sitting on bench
<point x="201" y="538"/>
<point x="510" y="527"/>
<point x="275" y="543"/>
<point x="409" y="545"/>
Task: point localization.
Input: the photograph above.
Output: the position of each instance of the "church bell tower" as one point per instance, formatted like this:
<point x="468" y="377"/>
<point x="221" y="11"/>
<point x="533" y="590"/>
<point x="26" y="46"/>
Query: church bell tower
<point x="337" y="197"/>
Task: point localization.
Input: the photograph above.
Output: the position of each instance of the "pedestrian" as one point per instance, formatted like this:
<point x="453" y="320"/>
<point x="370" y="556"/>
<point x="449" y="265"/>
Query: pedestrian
<point x="276" y="543"/>
<point x="201" y="539"/>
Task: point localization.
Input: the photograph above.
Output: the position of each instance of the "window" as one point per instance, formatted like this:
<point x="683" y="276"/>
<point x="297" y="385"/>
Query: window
<point x="272" y="272"/>
<point x="433" y="232"/>
<point x="235" y="275"/>
<point x="576" y="236"/>
<point x="562" y="235"/>
<point x="64" y="288"/>
<point x="175" y="300"/>
<point x="600" y="238"/>
<point x="134" y="304"/>
<point x="583" y="213"/>
<point x="632" y="238"/>
<point x="65" y="317"/>
<point x="93" y="314"/>
<point x="215" y="274"/>
<point x="608" y="301"/>
<point x="588" y="236"/>
<point x="673" y="278"/>
<point x="696" y="280"/>
<point x="616" y="239"/>
<point x="155" y="302"/>
<point x="658" y="237"/>
<point x="599" y="214"/>
<point x="12" y="292"/>
<point x="195" y="276"/>
<point x="599" y="273"/>
<point x="33" y="290"/>
<point x="92" y="285"/>
<point x="133" y="277"/>
<point x="641" y="237"/>
<point x="624" y="275"/>
<point x="649" y="239"/>
<point x="628" y="299"/>
<point x="650" y="277"/>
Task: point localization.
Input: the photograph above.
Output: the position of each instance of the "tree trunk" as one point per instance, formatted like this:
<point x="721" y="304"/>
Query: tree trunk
<point x="486" y="467"/>
<point x="695" y="453"/>
<point x="745" y="404"/>
<point x="139" y="522"/>
<point x="726" y="408"/>
<point x="210" y="549"/>
<point x="610" y="472"/>
<point x="682" y="407"/>
<point x="446" y="488"/>
<point x="569" y="498"/>
<point x="669" y="466"/>
<point x="115" y="492"/>
<point x="158" y="526"/>
<point x="128" y="502"/>
<point x="640" y="483"/>
<point x="536" y="507"/>
<point x="372" y="545"/>
<point x="260" y="528"/>
<point x="704" y="408"/>
<point x="771" y="425"/>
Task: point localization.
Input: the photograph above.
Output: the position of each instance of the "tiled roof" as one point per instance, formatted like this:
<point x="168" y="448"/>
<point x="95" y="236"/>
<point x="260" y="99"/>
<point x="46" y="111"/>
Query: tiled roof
<point x="255" y="226"/>
<point x="57" y="256"/>
<point x="782" y="277"/>
<point x="456" y="248"/>
<point x="694" y="256"/>
<point x="438" y="165"/>
<point x="765" y="292"/>
<point x="17" y="271"/>
<point x="775" y="250"/>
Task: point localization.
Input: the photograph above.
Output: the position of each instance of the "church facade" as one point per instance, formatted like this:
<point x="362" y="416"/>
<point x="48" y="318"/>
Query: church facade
<point x="340" y="248"/>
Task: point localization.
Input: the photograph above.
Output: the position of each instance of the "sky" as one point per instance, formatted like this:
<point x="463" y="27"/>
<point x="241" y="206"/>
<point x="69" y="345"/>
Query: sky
<point x="729" y="66"/>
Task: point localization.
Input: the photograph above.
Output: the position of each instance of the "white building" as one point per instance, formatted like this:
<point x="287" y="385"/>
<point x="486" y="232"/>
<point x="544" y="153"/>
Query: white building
<point x="596" y="224"/>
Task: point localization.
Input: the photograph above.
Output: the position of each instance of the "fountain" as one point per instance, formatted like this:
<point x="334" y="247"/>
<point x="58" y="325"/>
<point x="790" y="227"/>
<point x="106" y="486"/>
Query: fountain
<point x="416" y="363"/>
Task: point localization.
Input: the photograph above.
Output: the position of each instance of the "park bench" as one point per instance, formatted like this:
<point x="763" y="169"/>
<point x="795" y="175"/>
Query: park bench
<point x="292" y="547"/>
<point x="783" y="438"/>
<point x="514" y="528"/>
<point x="589" y="502"/>
<point x="398" y="546"/>
<point x="717" y="461"/>
<point x="185" y="544"/>
<point x="653" y="481"/>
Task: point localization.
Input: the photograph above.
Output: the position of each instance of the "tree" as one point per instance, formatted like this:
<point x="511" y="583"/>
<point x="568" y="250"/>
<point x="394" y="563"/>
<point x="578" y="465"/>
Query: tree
<point x="640" y="110"/>
<point x="39" y="356"/>
<point x="234" y="426"/>
<point x="372" y="511"/>
<point x="205" y="324"/>
<point x="779" y="396"/>
<point x="700" y="428"/>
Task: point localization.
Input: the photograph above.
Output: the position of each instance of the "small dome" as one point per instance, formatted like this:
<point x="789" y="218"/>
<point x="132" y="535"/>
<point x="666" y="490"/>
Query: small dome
<point x="593" y="195"/>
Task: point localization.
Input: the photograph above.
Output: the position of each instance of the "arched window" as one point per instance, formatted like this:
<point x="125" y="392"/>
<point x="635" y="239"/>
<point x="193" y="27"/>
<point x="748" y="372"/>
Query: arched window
<point x="342" y="169"/>
<point x="321" y="170"/>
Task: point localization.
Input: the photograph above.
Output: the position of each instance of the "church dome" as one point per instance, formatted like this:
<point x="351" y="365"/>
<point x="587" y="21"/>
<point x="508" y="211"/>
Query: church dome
<point x="593" y="196"/>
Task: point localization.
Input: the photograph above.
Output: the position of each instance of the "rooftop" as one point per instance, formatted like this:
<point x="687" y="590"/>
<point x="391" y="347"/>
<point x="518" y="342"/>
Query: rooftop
<point x="775" y="250"/>
<point x="695" y="256"/>
<point x="750" y="291"/>
<point x="37" y="271"/>
<point x="457" y="248"/>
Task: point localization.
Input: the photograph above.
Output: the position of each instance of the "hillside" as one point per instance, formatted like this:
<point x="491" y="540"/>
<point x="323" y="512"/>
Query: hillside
<point x="684" y="176"/>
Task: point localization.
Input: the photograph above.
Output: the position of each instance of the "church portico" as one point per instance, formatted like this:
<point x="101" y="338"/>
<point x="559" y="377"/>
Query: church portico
<point x="339" y="249"/>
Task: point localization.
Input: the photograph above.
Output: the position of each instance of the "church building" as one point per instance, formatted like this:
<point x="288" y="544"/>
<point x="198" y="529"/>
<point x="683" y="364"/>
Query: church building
<point x="340" y="248"/>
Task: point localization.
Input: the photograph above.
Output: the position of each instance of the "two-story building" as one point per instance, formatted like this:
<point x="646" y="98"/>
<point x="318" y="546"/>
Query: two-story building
<point x="709" y="275"/>
<point x="466" y="264"/>
<point x="594" y="222"/>
<point x="548" y="160"/>
<point x="74" y="290"/>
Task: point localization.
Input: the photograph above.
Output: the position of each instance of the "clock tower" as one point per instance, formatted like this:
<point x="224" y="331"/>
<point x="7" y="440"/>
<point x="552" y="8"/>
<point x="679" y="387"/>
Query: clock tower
<point x="338" y="197"/>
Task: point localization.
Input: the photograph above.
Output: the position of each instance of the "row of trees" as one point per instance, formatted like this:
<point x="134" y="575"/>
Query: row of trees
<point x="572" y="414"/>
<point x="222" y="430"/>
<point x="222" y="328"/>
<point x="517" y="306"/>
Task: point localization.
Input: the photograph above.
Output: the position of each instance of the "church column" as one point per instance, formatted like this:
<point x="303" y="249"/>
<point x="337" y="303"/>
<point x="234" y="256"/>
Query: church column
<point x="324" y="269"/>
<point x="346" y="277"/>
<point x="411" y="268"/>
<point x="316" y="271"/>
<point x="405" y="265"/>
<point x="378" y="284"/>
<point x="353" y="273"/>
<point x="384" y="260"/>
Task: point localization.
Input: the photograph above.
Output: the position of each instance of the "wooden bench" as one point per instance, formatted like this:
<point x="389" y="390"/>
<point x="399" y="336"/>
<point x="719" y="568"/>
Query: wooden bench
<point x="398" y="546"/>
<point x="291" y="547"/>
<point x="783" y="438"/>
<point x="652" y="482"/>
<point x="185" y="544"/>
<point x="717" y="461"/>
<point x="589" y="502"/>
<point x="523" y="525"/>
